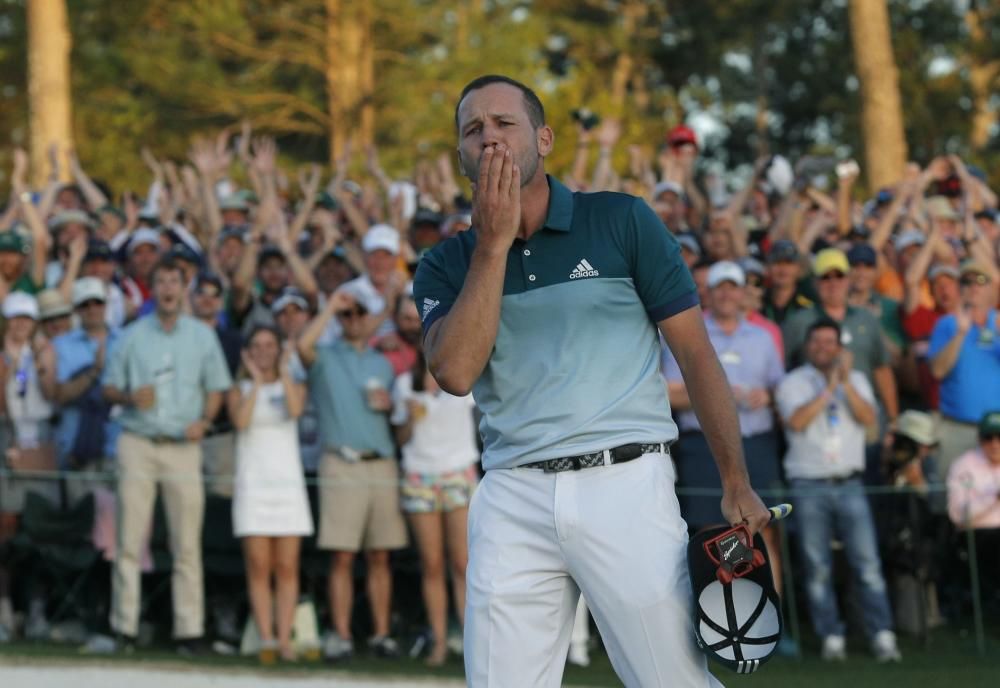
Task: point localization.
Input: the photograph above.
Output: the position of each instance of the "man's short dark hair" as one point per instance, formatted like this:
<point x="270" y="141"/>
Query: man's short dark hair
<point x="167" y="264"/>
<point x="536" y="112"/>
<point x="824" y="323"/>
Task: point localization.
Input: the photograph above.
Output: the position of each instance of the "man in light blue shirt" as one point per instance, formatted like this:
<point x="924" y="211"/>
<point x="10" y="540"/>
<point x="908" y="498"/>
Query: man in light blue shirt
<point x="753" y="368"/>
<point x="168" y="373"/>
<point x="86" y="437"/>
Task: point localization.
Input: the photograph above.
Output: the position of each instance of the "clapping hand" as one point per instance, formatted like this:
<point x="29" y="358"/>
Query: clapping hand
<point x="252" y="370"/>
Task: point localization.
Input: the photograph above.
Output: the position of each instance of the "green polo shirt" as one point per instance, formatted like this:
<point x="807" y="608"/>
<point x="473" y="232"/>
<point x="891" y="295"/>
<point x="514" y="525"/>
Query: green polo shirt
<point x="181" y="364"/>
<point x="575" y="366"/>
<point x="860" y="333"/>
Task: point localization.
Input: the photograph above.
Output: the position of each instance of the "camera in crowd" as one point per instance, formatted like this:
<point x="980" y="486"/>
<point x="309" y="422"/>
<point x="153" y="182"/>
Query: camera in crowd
<point x="586" y="118"/>
<point x="904" y="449"/>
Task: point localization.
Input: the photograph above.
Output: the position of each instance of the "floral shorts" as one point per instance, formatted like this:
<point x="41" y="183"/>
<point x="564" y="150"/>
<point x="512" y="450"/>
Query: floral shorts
<point x="424" y="493"/>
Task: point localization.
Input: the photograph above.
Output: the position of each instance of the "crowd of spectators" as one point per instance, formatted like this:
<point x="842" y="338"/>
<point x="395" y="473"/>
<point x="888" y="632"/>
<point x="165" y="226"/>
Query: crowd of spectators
<point x="240" y="333"/>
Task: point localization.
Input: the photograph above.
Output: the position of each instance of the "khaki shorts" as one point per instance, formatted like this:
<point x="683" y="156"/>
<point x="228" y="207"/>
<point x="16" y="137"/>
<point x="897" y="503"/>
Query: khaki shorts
<point x="359" y="505"/>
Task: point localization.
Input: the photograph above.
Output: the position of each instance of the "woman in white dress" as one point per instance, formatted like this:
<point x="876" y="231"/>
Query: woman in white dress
<point x="437" y="434"/>
<point x="270" y="504"/>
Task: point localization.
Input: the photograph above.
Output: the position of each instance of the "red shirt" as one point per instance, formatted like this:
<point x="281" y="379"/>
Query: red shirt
<point x="918" y="326"/>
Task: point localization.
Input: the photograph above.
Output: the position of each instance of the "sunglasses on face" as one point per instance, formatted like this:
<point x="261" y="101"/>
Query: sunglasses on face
<point x="832" y="276"/>
<point x="969" y="280"/>
<point x="90" y="302"/>
<point x="351" y="313"/>
<point x="986" y="439"/>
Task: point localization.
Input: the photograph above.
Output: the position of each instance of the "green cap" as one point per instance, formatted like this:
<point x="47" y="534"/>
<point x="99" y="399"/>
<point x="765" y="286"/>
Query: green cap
<point x="989" y="424"/>
<point x="12" y="242"/>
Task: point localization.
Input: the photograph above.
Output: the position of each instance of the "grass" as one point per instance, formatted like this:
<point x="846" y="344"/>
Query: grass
<point x="948" y="659"/>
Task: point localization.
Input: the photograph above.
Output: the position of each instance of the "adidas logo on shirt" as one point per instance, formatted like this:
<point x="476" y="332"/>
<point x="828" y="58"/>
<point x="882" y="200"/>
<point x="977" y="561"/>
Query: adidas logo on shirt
<point x="583" y="269"/>
<point x="429" y="305"/>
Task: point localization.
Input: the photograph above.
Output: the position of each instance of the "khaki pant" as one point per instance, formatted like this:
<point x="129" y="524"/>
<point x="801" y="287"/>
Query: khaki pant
<point x="956" y="439"/>
<point x="359" y="505"/>
<point x="176" y="469"/>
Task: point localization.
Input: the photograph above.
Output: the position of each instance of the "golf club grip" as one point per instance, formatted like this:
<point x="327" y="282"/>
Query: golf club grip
<point x="780" y="511"/>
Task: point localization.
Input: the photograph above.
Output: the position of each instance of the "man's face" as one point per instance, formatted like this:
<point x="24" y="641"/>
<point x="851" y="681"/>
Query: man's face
<point x="783" y="273"/>
<point x="20" y="327"/>
<point x="977" y="291"/>
<point x="291" y="320"/>
<point x="906" y="256"/>
<point x="168" y="290"/>
<point x="331" y="273"/>
<point x="832" y="289"/>
<point x="206" y="302"/>
<point x="380" y="264"/>
<point x="273" y="274"/>
<point x="229" y="253"/>
<point x="991" y="448"/>
<point x="53" y="327"/>
<point x="425" y="235"/>
<point x="11" y="264"/>
<point x="719" y="243"/>
<point x="408" y="322"/>
<point x="91" y="313"/>
<point x="354" y="321"/>
<point x="861" y="278"/>
<point x="110" y="225"/>
<point x="945" y="291"/>
<point x="669" y="207"/>
<point x="69" y="199"/>
<point x="823" y="348"/>
<point x="947" y="227"/>
<point x="496" y="114"/>
<point x="726" y="300"/>
<point x="143" y="259"/>
<point x="990" y="229"/>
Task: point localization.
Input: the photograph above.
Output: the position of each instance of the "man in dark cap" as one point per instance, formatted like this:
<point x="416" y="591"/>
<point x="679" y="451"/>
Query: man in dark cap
<point x="786" y="292"/>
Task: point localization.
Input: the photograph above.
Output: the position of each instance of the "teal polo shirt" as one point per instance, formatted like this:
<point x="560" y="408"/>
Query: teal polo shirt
<point x="575" y="366"/>
<point x="181" y="365"/>
<point x="338" y="381"/>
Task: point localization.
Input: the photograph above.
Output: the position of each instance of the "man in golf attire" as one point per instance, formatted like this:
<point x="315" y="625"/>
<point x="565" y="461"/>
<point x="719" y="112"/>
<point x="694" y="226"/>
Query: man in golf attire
<point x="548" y="311"/>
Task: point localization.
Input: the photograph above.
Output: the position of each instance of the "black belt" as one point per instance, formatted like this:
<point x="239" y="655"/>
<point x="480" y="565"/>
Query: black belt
<point x="353" y="455"/>
<point x="621" y="454"/>
<point x="838" y="479"/>
<point x="166" y="439"/>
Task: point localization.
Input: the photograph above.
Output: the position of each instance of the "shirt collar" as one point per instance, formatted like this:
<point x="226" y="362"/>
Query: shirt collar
<point x="712" y="326"/>
<point x="560" y="214"/>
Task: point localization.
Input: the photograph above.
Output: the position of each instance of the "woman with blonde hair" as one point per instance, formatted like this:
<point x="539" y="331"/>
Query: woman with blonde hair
<point x="270" y="504"/>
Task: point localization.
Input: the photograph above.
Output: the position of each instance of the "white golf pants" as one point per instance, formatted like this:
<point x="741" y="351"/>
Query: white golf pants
<point x="615" y="532"/>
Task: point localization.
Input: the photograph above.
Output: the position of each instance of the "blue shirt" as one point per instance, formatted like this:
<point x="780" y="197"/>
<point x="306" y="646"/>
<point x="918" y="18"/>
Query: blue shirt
<point x="750" y="360"/>
<point x="182" y="365"/>
<point x="575" y="367"/>
<point x="972" y="387"/>
<point x="338" y="384"/>
<point x="76" y="351"/>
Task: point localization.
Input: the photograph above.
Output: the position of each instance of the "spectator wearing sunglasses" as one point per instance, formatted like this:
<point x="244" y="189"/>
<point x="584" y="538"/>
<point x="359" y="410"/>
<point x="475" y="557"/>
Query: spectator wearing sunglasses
<point x="349" y="382"/>
<point x="860" y="333"/>
<point x="964" y="355"/>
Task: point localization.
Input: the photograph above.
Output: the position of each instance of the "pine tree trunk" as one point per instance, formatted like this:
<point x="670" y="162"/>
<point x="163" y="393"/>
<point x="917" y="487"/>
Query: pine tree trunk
<point x="983" y="76"/>
<point x="49" y="102"/>
<point x="881" y="111"/>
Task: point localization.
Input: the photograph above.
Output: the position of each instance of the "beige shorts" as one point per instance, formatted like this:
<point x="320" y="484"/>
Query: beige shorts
<point x="359" y="505"/>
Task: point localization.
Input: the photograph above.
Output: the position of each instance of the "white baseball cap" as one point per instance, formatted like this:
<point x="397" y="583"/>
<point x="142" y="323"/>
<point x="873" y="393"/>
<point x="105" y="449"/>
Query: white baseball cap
<point x="381" y="236"/>
<point x="726" y="271"/>
<point x="89" y="289"/>
<point x="19" y="303"/>
<point x="142" y="236"/>
<point x="911" y="237"/>
<point x="664" y="187"/>
<point x="363" y="294"/>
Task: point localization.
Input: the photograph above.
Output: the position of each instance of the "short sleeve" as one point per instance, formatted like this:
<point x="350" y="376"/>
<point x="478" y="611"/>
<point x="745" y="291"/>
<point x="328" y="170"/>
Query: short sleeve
<point x="793" y="392"/>
<point x="661" y="276"/>
<point x="433" y="292"/>
<point x="944" y="330"/>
